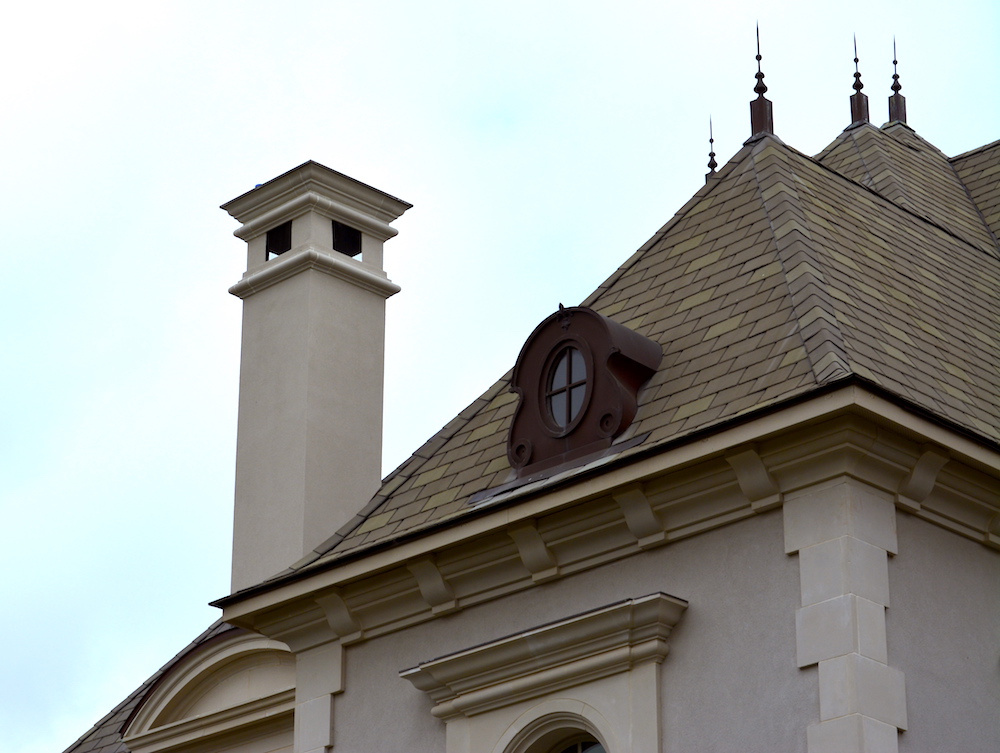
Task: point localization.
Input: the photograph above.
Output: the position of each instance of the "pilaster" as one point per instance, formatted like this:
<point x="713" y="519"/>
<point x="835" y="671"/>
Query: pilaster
<point x="843" y="531"/>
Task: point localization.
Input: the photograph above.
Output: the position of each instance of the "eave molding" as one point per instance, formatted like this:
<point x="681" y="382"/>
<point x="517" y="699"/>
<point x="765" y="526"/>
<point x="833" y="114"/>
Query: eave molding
<point x="548" y="659"/>
<point x="740" y="471"/>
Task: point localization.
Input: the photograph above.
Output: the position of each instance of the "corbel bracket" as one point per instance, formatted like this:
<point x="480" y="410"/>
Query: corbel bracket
<point x="433" y="587"/>
<point x="918" y="486"/>
<point x="756" y="483"/>
<point x="535" y="554"/>
<point x="640" y="517"/>
<point x="340" y="617"/>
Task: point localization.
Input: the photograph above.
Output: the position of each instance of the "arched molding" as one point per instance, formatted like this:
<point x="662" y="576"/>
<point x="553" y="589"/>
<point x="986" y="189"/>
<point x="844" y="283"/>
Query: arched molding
<point x="237" y="680"/>
<point x="555" y="722"/>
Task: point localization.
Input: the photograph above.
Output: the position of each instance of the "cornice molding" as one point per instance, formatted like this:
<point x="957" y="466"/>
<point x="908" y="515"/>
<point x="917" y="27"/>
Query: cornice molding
<point x="335" y="194"/>
<point x="304" y="258"/>
<point x="549" y="658"/>
<point x="558" y="530"/>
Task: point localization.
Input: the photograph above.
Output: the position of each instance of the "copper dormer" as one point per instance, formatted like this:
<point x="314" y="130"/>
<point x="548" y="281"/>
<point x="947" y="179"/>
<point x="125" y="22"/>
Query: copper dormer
<point x="578" y="378"/>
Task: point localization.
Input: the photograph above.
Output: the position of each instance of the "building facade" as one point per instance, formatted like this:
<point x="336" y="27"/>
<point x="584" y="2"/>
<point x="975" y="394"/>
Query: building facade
<point x="746" y="496"/>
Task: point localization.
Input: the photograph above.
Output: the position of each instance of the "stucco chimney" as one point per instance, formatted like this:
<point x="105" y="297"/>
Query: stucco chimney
<point x="309" y="443"/>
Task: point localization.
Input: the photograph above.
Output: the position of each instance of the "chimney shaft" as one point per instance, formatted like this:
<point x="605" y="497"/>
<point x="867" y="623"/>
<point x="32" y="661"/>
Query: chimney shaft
<point x="309" y="442"/>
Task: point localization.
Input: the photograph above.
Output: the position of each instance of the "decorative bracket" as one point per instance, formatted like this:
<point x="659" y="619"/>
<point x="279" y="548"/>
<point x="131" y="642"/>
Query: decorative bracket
<point x="340" y="618"/>
<point x="918" y="486"/>
<point x="756" y="483"/>
<point x="535" y="554"/>
<point x="433" y="587"/>
<point x="640" y="518"/>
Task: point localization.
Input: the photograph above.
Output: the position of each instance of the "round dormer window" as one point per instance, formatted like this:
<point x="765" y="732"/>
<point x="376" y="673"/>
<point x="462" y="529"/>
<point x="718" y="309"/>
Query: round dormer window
<point x="566" y="391"/>
<point x="577" y="379"/>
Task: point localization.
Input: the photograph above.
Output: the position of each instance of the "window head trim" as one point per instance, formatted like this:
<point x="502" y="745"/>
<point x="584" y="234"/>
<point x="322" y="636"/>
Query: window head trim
<point x="549" y="658"/>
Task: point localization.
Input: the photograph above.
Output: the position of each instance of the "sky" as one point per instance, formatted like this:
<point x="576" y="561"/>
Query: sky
<point x="540" y="143"/>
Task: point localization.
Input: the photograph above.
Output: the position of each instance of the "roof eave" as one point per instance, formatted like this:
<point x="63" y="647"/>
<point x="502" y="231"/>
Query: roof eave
<point x="850" y="394"/>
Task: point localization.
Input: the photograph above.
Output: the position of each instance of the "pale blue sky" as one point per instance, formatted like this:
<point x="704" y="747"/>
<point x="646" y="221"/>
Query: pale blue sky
<point x="540" y="143"/>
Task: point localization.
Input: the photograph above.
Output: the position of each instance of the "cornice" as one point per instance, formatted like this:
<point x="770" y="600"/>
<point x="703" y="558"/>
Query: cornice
<point x="339" y="193"/>
<point x="566" y="525"/>
<point x="304" y="258"/>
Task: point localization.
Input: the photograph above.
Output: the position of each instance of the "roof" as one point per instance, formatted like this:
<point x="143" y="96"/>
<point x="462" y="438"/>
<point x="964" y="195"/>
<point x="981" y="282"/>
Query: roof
<point x="874" y="260"/>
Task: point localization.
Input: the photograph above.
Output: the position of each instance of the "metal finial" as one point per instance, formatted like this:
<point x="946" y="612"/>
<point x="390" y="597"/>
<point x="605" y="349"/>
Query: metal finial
<point x="712" y="164"/>
<point x="897" y="102"/>
<point x="896" y="86"/>
<point x="858" y="86"/>
<point x="761" y="87"/>
<point x="761" y="117"/>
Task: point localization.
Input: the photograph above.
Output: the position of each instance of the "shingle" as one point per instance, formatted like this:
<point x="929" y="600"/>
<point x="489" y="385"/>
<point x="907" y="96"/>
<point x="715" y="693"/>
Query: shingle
<point x="783" y="272"/>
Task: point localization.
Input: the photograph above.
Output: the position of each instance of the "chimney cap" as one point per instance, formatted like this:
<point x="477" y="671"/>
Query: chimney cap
<point x="278" y="199"/>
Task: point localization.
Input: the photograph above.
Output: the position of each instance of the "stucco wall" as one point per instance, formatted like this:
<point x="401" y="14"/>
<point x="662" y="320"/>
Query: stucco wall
<point x="943" y="631"/>
<point x="729" y="683"/>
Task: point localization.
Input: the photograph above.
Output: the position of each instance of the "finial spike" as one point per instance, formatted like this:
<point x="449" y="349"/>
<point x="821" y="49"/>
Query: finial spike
<point x="761" y="87"/>
<point x="712" y="164"/>
<point x="859" y="101"/>
<point x="761" y="117"/>
<point x="897" y="102"/>
<point x="858" y="86"/>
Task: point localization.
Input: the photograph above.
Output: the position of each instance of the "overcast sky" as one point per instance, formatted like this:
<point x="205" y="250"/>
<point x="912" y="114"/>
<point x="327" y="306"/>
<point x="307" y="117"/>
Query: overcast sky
<point x="540" y="143"/>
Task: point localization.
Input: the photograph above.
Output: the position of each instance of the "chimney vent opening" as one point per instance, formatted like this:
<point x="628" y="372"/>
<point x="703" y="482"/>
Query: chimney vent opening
<point x="346" y="239"/>
<point x="279" y="240"/>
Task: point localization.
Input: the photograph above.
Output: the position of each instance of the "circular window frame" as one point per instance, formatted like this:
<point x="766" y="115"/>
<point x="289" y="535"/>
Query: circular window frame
<point x="545" y="377"/>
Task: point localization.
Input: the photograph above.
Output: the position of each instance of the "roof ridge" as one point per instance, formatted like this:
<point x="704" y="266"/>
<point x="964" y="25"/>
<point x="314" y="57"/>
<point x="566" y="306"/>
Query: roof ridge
<point x="814" y="310"/>
<point x="975" y="204"/>
<point x="978" y="149"/>
<point x="908" y="210"/>
<point x="700" y="195"/>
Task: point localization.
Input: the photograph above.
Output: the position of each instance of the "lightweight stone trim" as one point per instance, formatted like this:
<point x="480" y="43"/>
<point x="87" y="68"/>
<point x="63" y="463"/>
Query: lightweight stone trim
<point x="551" y="658"/>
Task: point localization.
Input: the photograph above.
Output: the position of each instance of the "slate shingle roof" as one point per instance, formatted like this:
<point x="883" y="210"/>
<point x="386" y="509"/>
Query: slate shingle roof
<point x="979" y="171"/>
<point x="782" y="274"/>
<point x="877" y="259"/>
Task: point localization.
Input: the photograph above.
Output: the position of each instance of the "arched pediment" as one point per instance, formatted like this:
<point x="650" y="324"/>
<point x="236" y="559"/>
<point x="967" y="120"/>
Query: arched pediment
<point x="237" y="680"/>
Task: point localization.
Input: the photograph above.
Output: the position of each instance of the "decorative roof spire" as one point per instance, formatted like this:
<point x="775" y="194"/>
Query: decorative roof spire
<point x="859" y="101"/>
<point x="897" y="102"/>
<point x="761" y="117"/>
<point x="712" y="164"/>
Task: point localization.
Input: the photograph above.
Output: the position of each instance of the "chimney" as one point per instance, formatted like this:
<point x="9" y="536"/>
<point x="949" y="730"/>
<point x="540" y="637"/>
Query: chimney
<point x="309" y="441"/>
